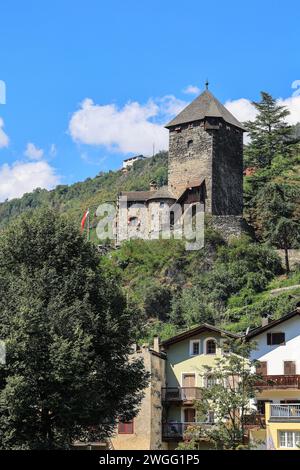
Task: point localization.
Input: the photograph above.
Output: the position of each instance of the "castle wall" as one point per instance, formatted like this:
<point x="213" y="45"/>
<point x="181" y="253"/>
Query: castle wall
<point x="227" y="171"/>
<point x="189" y="162"/>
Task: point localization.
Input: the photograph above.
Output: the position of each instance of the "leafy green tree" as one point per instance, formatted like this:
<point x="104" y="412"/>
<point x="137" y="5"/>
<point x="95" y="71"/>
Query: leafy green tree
<point x="269" y="132"/>
<point x="232" y="385"/>
<point x="67" y="335"/>
<point x="280" y="225"/>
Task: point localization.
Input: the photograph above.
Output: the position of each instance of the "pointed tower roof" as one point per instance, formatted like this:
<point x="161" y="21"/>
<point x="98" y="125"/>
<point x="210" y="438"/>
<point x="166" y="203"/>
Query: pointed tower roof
<point x="205" y="105"/>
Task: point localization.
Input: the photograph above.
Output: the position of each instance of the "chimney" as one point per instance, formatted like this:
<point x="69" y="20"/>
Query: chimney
<point x="153" y="186"/>
<point x="264" y="321"/>
<point x="156" y="342"/>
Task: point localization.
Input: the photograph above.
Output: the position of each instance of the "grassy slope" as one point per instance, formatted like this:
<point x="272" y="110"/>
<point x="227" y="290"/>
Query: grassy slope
<point x="160" y="265"/>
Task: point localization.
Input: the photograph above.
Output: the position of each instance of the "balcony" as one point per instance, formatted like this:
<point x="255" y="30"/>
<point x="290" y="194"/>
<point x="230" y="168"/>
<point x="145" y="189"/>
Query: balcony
<point x="279" y="381"/>
<point x="186" y="395"/>
<point x="285" y="413"/>
<point x="176" y="431"/>
<point x="254" y="420"/>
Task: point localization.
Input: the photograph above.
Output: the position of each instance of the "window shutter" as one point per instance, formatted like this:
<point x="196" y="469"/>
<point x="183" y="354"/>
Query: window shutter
<point x="289" y="368"/>
<point x="125" y="428"/>
<point x="262" y="368"/>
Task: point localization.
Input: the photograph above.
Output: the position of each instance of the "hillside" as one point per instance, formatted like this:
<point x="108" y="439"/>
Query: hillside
<point x="76" y="198"/>
<point x="168" y="288"/>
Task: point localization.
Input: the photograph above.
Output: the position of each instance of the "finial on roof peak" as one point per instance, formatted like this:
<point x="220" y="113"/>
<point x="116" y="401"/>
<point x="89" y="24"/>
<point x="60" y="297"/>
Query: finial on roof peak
<point x="206" y="84"/>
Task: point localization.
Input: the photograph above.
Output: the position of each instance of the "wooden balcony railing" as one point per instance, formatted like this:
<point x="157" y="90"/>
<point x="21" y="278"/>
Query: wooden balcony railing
<point x="254" y="420"/>
<point x="176" y="431"/>
<point x="279" y="381"/>
<point x="181" y="394"/>
<point x="284" y="412"/>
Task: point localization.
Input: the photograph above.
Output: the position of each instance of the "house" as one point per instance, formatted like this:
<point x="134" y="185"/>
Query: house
<point x="188" y="354"/>
<point x="277" y="348"/>
<point x="128" y="163"/>
<point x="144" y="431"/>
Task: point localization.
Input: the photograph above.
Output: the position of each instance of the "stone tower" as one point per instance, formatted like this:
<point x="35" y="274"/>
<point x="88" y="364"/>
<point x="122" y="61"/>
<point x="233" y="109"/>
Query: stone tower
<point x="206" y="152"/>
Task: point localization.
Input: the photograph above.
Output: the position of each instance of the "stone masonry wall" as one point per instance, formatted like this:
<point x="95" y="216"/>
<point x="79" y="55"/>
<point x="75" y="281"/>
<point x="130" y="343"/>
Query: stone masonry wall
<point x="227" y="171"/>
<point x="189" y="161"/>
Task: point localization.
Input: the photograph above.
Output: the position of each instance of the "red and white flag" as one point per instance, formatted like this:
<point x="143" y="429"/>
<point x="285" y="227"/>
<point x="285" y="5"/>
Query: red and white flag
<point x="84" y="219"/>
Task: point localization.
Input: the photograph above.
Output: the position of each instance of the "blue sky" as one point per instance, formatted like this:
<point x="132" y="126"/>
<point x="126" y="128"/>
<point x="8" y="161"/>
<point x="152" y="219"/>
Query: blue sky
<point x="90" y="82"/>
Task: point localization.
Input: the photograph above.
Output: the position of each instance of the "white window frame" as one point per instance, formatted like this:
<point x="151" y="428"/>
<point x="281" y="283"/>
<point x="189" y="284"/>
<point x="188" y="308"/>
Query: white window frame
<point x="205" y="346"/>
<point x="294" y="438"/>
<point x="192" y="342"/>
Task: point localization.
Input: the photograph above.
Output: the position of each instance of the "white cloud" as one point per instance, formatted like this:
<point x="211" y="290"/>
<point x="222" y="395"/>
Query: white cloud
<point x="33" y="152"/>
<point x="293" y="105"/>
<point x="242" y="109"/>
<point x="131" y="129"/>
<point x="20" y="178"/>
<point x="191" y="90"/>
<point x="4" y="139"/>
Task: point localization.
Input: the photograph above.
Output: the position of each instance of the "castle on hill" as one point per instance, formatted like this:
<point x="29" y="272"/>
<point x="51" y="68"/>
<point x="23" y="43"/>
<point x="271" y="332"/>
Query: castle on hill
<point x="205" y="166"/>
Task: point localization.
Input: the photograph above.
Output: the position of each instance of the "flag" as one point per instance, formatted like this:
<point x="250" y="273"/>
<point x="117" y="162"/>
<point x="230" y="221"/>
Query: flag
<point x="84" y="219"/>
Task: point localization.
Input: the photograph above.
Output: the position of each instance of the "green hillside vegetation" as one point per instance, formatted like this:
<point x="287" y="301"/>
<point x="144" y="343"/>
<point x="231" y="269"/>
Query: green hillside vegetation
<point x="76" y="198"/>
<point x="229" y="284"/>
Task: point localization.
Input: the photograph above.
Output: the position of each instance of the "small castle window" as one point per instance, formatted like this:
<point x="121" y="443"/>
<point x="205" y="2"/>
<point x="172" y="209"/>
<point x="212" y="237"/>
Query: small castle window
<point x="161" y="205"/>
<point x="133" y="221"/>
<point x="190" y="144"/>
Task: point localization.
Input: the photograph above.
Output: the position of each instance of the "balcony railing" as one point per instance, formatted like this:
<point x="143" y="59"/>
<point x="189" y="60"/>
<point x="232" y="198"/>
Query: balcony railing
<point x="181" y="394"/>
<point x="176" y="431"/>
<point x="254" y="420"/>
<point x="284" y="412"/>
<point x="279" y="381"/>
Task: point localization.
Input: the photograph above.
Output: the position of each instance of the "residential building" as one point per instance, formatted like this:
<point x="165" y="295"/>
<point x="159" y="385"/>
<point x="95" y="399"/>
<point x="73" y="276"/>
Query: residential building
<point x="277" y="348"/>
<point x="128" y="163"/>
<point x="144" y="431"/>
<point x="188" y="355"/>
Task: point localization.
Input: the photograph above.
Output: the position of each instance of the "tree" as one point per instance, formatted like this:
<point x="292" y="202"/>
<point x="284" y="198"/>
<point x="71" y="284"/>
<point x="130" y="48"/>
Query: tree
<point x="269" y="132"/>
<point x="232" y="385"/>
<point x="277" y="210"/>
<point x="67" y="335"/>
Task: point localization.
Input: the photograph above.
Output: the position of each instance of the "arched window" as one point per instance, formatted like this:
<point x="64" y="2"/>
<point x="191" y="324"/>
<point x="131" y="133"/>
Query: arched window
<point x="211" y="346"/>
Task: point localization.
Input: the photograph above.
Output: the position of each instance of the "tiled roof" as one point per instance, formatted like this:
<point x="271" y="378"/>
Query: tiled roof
<point x="205" y="105"/>
<point x="195" y="331"/>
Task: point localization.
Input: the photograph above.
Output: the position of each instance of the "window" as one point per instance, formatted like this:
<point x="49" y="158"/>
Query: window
<point x="289" y="438"/>
<point x="125" y="428"/>
<point x="190" y="143"/>
<point x="161" y="205"/>
<point x="289" y="367"/>
<point x="211" y="346"/>
<point x="275" y="338"/>
<point x="262" y="368"/>
<point x="133" y="221"/>
<point x="261" y="406"/>
<point x="195" y="348"/>
<point x="210" y="381"/>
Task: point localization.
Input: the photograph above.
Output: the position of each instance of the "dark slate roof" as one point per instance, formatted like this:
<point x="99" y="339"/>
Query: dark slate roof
<point x="161" y="193"/>
<point x="206" y="105"/>
<point x="195" y="331"/>
<point x="143" y="196"/>
<point x="137" y="196"/>
<point x="271" y="324"/>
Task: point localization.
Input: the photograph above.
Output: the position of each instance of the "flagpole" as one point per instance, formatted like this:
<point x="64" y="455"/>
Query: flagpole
<point x="88" y="225"/>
